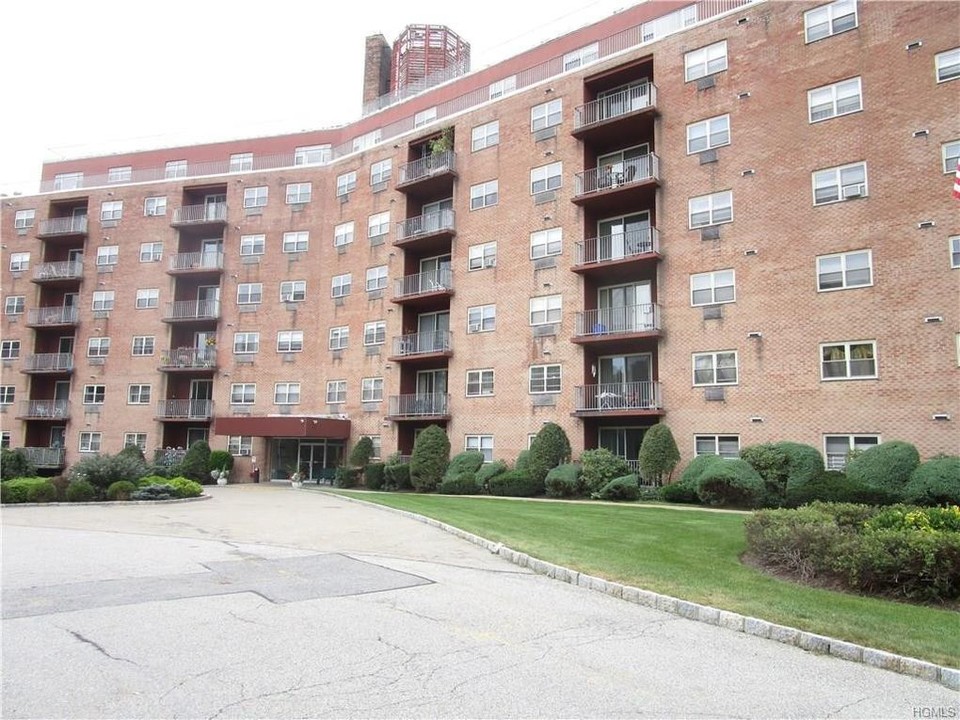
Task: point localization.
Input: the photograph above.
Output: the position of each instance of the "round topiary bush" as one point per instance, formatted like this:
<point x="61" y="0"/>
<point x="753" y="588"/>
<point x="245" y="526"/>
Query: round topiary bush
<point x="374" y="476"/>
<point x="626" y="487"/>
<point x="121" y="490"/>
<point x="80" y="491"/>
<point x="431" y="453"/>
<point x="362" y="452"/>
<point x="680" y="492"/>
<point x="835" y="487"/>
<point x="935" y="482"/>
<point x="697" y="467"/>
<point x="563" y="481"/>
<point x="196" y="463"/>
<point x="463" y="484"/>
<point x="658" y="454"/>
<point x="887" y="466"/>
<point x="42" y="493"/>
<point x="600" y="466"/>
<point x="514" y="483"/>
<point x="184" y="487"/>
<point x="549" y="448"/>
<point x="489" y="471"/>
<point x="469" y="461"/>
<point x="731" y="483"/>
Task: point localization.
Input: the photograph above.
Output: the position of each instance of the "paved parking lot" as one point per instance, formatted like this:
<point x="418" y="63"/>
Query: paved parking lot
<point x="274" y="602"/>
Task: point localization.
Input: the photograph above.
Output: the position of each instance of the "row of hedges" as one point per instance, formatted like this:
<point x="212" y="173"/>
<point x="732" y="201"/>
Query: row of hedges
<point x="78" y="489"/>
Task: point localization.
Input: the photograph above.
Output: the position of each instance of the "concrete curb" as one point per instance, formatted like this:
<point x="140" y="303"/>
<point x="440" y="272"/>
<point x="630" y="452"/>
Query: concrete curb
<point x="7" y="506"/>
<point x="948" y="677"/>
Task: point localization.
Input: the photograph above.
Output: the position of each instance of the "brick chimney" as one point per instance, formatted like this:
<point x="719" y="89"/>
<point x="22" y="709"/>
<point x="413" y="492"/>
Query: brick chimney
<point x="376" y="68"/>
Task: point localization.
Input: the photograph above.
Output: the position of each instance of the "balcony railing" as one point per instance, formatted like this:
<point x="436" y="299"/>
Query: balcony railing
<point x="622" y="174"/>
<point x="419" y="405"/>
<point x="204" y="260"/>
<point x="185" y="409"/>
<point x="426" y="282"/>
<point x="44" y="457"/>
<point x="619" y="320"/>
<point x="188" y="358"/>
<point x="62" y="270"/>
<point x="610" y="397"/>
<point x="200" y="214"/>
<point x="633" y="99"/>
<point x="192" y="310"/>
<point x="427" y="166"/>
<point x="422" y="343"/>
<point x="609" y="248"/>
<point x="63" y="226"/>
<point x="45" y="409"/>
<point x="48" y="362"/>
<point x="440" y="221"/>
<point x="56" y="315"/>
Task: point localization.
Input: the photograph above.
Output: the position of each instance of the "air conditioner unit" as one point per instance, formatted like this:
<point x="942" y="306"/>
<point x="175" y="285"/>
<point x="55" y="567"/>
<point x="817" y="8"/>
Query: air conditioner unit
<point x="853" y="191"/>
<point x="244" y="451"/>
<point x="490" y="262"/>
<point x="286" y="298"/>
<point x="473" y="327"/>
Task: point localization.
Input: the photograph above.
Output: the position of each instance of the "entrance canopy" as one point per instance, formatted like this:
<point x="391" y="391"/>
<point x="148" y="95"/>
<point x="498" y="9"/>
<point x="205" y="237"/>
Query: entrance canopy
<point x="288" y="426"/>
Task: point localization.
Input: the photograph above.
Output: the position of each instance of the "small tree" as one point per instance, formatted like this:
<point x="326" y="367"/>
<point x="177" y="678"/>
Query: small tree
<point x="549" y="448"/>
<point x="431" y="453"/>
<point x="196" y="463"/>
<point x="14" y="464"/>
<point x="658" y="454"/>
<point x="361" y="453"/>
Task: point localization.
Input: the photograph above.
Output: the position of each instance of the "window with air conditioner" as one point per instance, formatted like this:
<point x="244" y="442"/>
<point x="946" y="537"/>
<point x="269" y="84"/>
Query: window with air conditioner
<point x="838" y="184"/>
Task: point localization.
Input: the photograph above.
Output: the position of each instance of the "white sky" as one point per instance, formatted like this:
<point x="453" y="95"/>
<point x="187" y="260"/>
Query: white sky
<point x="85" y="78"/>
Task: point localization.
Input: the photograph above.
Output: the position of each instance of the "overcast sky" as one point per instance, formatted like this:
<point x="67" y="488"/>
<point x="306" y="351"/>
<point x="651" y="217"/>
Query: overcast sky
<point x="86" y="78"/>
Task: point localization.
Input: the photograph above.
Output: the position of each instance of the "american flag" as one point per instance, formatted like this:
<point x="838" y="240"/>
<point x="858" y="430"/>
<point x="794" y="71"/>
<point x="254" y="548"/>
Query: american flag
<point x="956" y="182"/>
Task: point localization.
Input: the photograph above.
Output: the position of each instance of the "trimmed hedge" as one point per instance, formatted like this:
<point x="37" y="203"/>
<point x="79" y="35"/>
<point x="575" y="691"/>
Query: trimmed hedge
<point x="697" y="467"/>
<point x="887" y="466"/>
<point x="121" y="490"/>
<point x="80" y="491"/>
<point x="154" y="492"/>
<point x="658" y="454"/>
<point x="431" y="453"/>
<point x="514" y="483"/>
<point x="463" y="484"/>
<point x="102" y="471"/>
<point x="731" y="483"/>
<point x="836" y="487"/>
<point x="397" y="476"/>
<point x="680" y="492"/>
<point x="784" y="466"/>
<point x="935" y="482"/>
<point x="563" y="481"/>
<point x="549" y="448"/>
<point x="490" y="471"/>
<point x="27" y="490"/>
<point x="626" y="487"/>
<point x="469" y="461"/>
<point x="346" y="477"/>
<point x="600" y="466"/>
<point x="374" y="476"/>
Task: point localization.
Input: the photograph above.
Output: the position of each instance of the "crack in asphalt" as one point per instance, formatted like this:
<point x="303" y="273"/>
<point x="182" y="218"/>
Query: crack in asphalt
<point x="98" y="646"/>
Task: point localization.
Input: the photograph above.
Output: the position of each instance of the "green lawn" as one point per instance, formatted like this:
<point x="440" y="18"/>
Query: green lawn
<point x="691" y="554"/>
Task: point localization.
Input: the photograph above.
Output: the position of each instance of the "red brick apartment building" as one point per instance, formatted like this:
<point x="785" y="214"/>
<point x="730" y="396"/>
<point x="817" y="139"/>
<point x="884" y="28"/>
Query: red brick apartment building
<point x="732" y="217"/>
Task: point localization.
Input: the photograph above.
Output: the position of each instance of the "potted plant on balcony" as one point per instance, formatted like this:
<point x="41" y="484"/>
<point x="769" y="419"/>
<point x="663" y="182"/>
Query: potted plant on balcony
<point x="438" y="147"/>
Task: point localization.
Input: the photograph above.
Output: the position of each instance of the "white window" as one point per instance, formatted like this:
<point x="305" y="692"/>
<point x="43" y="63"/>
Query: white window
<point x="479" y="382"/>
<point x="546" y="115"/>
<point x="711" y="209"/>
<point x="103" y="300"/>
<point x="708" y="134"/>
<point x="148" y="298"/>
<point x="580" y="57"/>
<point x="425" y="117"/>
<point x="8" y="394"/>
<point x="94" y="394"/>
<point x="848" y="360"/>
<point x="111" y="210"/>
<point x="293" y="291"/>
<point x="726" y="446"/>
<point x="151" y="252"/>
<point x="372" y="390"/>
<point x="546" y="177"/>
<point x="484" y="136"/>
<point x="544" y="243"/>
<point x="715" y="368"/>
<point x="138" y="395"/>
<point x="544" y="379"/>
<point x="241" y="162"/>
<point x="289" y="341"/>
<point x="296" y="242"/>
<point x="841" y="98"/>
<point x="286" y="393"/>
<point x="135" y="439"/>
<point x="365" y="141"/>
<point x="336" y="392"/>
<point x="249" y="293"/>
<point x="546" y="309"/>
<point x="948" y="65"/>
<point x="312" y="155"/>
<point x="5" y="439"/>
<point x="254" y="197"/>
<point x="481" y="443"/>
<point x="90" y="442"/>
<point x="484" y="194"/>
<point x="827" y="20"/>
<point x="951" y="156"/>
<point x="14" y="305"/>
<point x="339" y="337"/>
<point x="837" y="448"/>
<point x="378" y="225"/>
<point x="346" y="183"/>
<point x="98" y="347"/>
<point x="502" y="87"/>
<point x="240" y="444"/>
<point x="375" y="333"/>
<point x="108" y="255"/>
<point x="119" y="174"/>
<point x="376" y="278"/>
<point x="68" y="181"/>
<point x="175" y="169"/>
<point x="380" y="171"/>
<point x="482" y="318"/>
<point x="705" y="61"/>
<point x="343" y="234"/>
<point x="143" y="345"/>
<point x="246" y="343"/>
<point x="377" y="447"/>
<point x="955" y="251"/>
<point x="713" y="288"/>
<point x="24" y="219"/>
<point x="19" y="261"/>
<point x="845" y="270"/>
<point x="340" y="285"/>
<point x="9" y="349"/>
<point x="840" y="183"/>
<point x="482" y="256"/>
<point x="252" y="245"/>
<point x="299" y="193"/>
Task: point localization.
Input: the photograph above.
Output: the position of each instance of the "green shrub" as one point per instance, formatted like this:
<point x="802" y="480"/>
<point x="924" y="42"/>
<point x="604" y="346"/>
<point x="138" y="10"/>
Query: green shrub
<point x="27" y="489"/>
<point x="680" y="492"/>
<point x="549" y="448"/>
<point x="804" y="463"/>
<point x="658" y="454"/>
<point x="469" y="461"/>
<point x="221" y="460"/>
<point x="887" y="466"/>
<point x="697" y="467"/>
<point x="835" y="487"/>
<point x="522" y="463"/>
<point x="911" y="517"/>
<point x="463" y="484"/>
<point x="154" y="492"/>
<point x="397" y="475"/>
<point x="731" y="483"/>
<point x="490" y="471"/>
<point x="374" y="476"/>
<point x="514" y="483"/>
<point x="80" y="491"/>
<point x="121" y="490"/>
<point x="60" y="483"/>
<point x="15" y="464"/>
<point x="196" y="463"/>
<point x="600" y="466"/>
<point x="935" y="482"/>
<point x="346" y="477"/>
<point x="153" y="480"/>
<point x="362" y="452"/>
<point x="184" y="487"/>
<point x="102" y="471"/>
<point x="783" y="466"/>
<point x="626" y="487"/>
<point x="133" y="451"/>
<point x="563" y="481"/>
<point x="431" y="453"/>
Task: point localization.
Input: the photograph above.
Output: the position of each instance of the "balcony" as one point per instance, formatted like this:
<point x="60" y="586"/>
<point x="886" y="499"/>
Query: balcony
<point x="55" y="316"/>
<point x="616" y="255"/>
<point x="616" y="399"/>
<point x="186" y="311"/>
<point x="626" y="184"/>
<point x="214" y="214"/>
<point x="44" y="410"/>
<point x="617" y="323"/>
<point x="628" y="113"/>
<point x="432" y="231"/>
<point x="62" y="227"/>
<point x="44" y="457"/>
<point x="422" y="345"/>
<point x="428" y="174"/>
<point x="64" y="272"/>
<point x="188" y="359"/>
<point x="194" y="263"/>
<point x="435" y="406"/>
<point x="424" y="287"/>
<point x="185" y="410"/>
<point x="52" y="363"/>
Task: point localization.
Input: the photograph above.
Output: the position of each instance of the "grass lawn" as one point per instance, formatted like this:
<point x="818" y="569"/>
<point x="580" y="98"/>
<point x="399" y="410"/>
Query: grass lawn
<point x="691" y="554"/>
